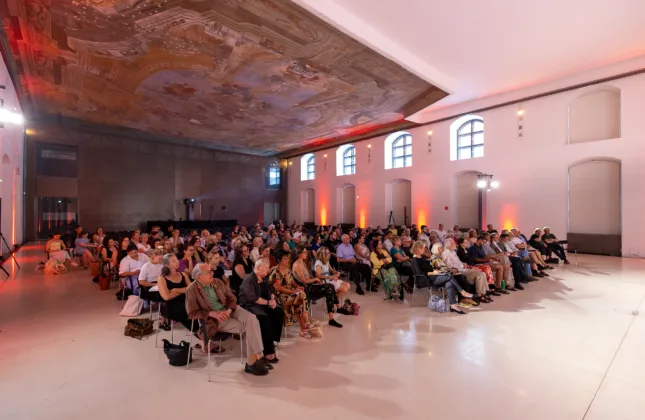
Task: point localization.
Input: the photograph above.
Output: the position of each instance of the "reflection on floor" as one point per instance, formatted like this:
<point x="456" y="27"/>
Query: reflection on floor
<point x="568" y="347"/>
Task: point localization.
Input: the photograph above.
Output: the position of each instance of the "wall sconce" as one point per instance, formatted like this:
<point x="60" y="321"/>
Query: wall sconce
<point x="429" y="141"/>
<point x="520" y="123"/>
<point x="325" y="162"/>
<point x="369" y="154"/>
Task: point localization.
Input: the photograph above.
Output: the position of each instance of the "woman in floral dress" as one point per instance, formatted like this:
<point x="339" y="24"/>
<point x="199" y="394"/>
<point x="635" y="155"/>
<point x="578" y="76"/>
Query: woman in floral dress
<point x="292" y="296"/>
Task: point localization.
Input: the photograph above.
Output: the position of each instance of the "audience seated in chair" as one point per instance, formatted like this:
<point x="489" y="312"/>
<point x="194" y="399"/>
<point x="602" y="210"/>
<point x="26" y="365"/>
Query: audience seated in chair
<point x="324" y="271"/>
<point x="474" y="277"/>
<point x="384" y="270"/>
<point x="214" y="260"/>
<point x="211" y="301"/>
<point x="242" y="267"/>
<point x="534" y="256"/>
<point x="257" y="296"/>
<point x="172" y="286"/>
<point x="316" y="288"/>
<point x="463" y="252"/>
<point x="439" y="265"/>
<point x="188" y="260"/>
<point x="553" y="244"/>
<point x="83" y="249"/>
<point x="56" y="249"/>
<point x="293" y="297"/>
<point x="429" y="277"/>
<point x="347" y="262"/>
<point x="130" y="267"/>
<point x="401" y="261"/>
<point x="516" y="254"/>
<point x="109" y="253"/>
<point x="150" y="273"/>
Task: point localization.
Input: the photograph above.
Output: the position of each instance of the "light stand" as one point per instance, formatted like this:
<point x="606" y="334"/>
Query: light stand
<point x="11" y="253"/>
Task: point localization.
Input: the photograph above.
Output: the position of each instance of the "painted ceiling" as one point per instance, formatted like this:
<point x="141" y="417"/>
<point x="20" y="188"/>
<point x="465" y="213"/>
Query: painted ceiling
<point x="255" y="76"/>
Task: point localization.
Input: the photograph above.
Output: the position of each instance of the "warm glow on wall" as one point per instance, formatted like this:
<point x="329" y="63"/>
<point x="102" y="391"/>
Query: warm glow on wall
<point x="323" y="216"/>
<point x="362" y="220"/>
<point x="421" y="218"/>
<point x="508" y="216"/>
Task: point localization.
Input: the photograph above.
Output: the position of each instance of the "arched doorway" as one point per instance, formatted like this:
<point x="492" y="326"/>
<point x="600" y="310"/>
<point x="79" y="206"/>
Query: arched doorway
<point x="595" y="207"/>
<point x="308" y="208"/>
<point x="469" y="201"/>
<point x="348" y="204"/>
<point x="399" y="201"/>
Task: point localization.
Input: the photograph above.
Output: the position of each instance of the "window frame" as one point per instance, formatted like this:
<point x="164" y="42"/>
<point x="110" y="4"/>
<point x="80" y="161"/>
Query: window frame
<point x="405" y="158"/>
<point x="274" y="182"/>
<point x="471" y="135"/>
<point x="311" y="168"/>
<point x="349" y="153"/>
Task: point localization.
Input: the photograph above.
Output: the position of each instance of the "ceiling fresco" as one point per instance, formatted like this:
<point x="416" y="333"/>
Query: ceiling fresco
<point x="256" y="76"/>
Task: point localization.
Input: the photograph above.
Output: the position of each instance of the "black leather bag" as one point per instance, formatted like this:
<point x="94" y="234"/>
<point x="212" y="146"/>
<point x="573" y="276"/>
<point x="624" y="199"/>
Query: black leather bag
<point x="177" y="354"/>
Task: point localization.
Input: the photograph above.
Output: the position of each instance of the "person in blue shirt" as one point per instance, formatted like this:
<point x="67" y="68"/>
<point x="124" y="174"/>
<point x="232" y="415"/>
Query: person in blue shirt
<point x="479" y="257"/>
<point x="82" y="248"/>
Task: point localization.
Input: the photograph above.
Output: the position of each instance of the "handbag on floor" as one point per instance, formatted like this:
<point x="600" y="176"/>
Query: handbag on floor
<point x="132" y="307"/>
<point x="177" y="354"/>
<point x="138" y="327"/>
<point x="437" y="304"/>
<point x="95" y="268"/>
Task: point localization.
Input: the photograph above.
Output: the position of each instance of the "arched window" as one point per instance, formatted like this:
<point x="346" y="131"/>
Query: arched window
<point x="398" y="150"/>
<point x="311" y="168"/>
<point x="349" y="161"/>
<point x="402" y="151"/>
<point x="346" y="160"/>
<point x="467" y="138"/>
<point x="308" y="167"/>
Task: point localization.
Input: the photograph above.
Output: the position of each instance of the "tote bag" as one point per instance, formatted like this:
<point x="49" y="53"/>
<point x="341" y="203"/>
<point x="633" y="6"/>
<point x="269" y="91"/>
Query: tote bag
<point x="132" y="306"/>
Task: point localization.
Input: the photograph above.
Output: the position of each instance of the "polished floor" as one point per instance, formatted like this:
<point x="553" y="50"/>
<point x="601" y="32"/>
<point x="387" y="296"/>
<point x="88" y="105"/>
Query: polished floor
<point x="568" y="347"/>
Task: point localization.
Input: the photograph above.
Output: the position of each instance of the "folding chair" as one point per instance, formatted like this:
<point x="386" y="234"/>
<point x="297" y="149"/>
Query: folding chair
<point x="218" y="337"/>
<point x="415" y="287"/>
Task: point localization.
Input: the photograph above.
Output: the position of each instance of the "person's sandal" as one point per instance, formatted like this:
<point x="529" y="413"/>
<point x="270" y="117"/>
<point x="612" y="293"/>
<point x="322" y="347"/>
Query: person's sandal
<point x="305" y="335"/>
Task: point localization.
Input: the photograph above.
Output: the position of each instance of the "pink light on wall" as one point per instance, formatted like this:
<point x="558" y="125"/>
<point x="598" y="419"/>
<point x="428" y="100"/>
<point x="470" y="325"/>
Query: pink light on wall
<point x="421" y="218"/>
<point x="508" y="216"/>
<point x="323" y="215"/>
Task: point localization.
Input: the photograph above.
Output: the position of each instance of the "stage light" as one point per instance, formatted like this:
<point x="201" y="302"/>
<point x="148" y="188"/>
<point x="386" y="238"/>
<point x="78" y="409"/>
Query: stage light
<point x="482" y="183"/>
<point x="520" y="113"/>
<point x="494" y="184"/>
<point x="11" y="117"/>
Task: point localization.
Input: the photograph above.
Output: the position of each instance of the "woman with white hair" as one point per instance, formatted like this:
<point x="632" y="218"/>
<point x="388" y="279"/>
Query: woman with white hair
<point x="435" y="278"/>
<point x="255" y="252"/>
<point x="440" y="265"/>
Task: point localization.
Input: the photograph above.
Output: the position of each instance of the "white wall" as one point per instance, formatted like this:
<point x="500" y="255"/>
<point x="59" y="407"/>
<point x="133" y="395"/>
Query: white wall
<point x="11" y="145"/>
<point x="533" y="172"/>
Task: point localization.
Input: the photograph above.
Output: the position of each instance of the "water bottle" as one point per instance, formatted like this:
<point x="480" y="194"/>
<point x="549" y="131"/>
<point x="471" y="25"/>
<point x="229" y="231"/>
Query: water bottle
<point x="503" y="284"/>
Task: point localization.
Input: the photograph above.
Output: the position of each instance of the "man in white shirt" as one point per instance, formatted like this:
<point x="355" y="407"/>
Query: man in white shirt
<point x="130" y="268"/>
<point x="297" y="234"/>
<point x="441" y="233"/>
<point x="424" y="236"/>
<point x="475" y="277"/>
<point x="387" y="241"/>
<point x="150" y="272"/>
